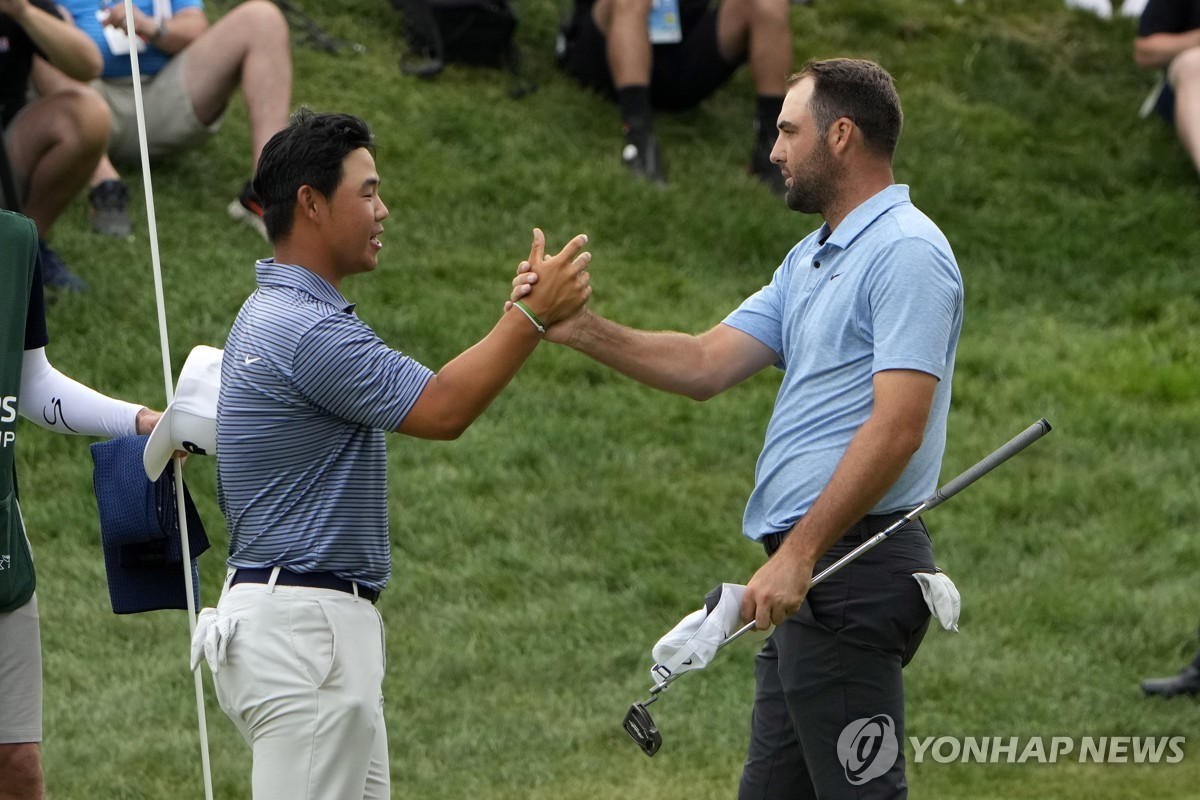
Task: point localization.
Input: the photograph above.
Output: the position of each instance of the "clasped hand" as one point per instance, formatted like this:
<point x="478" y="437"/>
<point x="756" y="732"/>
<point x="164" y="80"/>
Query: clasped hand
<point x="563" y="282"/>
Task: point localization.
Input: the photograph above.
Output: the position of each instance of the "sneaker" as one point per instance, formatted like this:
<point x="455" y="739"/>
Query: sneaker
<point x="762" y="167"/>
<point x="641" y="155"/>
<point x="1186" y="682"/>
<point x="109" y="200"/>
<point x="1101" y="8"/>
<point x="248" y="208"/>
<point x="55" y="273"/>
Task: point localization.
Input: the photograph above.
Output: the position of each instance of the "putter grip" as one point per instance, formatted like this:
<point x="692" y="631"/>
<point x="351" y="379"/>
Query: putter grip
<point x="1015" y="445"/>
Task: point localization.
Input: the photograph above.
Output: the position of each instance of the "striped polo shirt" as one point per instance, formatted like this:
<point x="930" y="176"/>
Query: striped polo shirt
<point x="308" y="392"/>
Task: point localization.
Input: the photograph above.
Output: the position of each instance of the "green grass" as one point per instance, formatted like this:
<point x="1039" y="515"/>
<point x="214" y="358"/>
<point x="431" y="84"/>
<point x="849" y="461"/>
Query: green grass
<point x="538" y="558"/>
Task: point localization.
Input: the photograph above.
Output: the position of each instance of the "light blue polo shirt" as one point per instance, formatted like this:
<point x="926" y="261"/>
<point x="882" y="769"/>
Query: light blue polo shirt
<point x="881" y="292"/>
<point x="308" y="392"/>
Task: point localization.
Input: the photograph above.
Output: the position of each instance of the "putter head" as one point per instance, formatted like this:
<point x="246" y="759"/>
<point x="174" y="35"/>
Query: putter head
<point x="640" y="728"/>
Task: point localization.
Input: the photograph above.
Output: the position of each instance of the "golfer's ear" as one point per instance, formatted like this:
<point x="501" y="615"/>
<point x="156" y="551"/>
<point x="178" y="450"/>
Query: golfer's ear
<point x="840" y="132"/>
<point x="308" y="202"/>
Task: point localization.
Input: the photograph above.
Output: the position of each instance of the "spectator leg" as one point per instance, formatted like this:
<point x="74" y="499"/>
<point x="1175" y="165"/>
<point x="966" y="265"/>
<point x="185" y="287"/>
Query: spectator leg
<point x="59" y="138"/>
<point x="629" y="52"/>
<point x="21" y="772"/>
<point x="247" y="47"/>
<point x="759" y="29"/>
<point x="1184" y="75"/>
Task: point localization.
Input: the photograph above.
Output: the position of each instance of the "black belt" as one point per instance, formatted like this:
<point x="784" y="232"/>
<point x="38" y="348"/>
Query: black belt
<point x="314" y="580"/>
<point x="859" y="532"/>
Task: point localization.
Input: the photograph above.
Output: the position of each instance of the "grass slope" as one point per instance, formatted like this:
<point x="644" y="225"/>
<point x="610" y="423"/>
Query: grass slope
<point x="538" y="558"/>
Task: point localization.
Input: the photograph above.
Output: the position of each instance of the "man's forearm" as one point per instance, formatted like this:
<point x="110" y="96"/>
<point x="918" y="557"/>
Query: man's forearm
<point x="664" y="360"/>
<point x="1157" y="50"/>
<point x="467" y="385"/>
<point x="173" y="35"/>
<point x="65" y="46"/>
<point x="873" y="462"/>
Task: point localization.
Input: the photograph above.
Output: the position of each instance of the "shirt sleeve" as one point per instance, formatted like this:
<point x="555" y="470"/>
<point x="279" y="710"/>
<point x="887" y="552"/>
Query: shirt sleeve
<point x="914" y="308"/>
<point x="761" y="314"/>
<point x="344" y="368"/>
<point x="36" y="334"/>
<point x="1163" y="16"/>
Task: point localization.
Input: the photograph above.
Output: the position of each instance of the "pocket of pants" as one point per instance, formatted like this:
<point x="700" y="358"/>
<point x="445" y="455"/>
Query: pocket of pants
<point x="313" y="639"/>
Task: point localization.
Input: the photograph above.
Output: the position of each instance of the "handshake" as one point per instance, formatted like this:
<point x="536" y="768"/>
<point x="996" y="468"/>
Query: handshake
<point x="552" y="291"/>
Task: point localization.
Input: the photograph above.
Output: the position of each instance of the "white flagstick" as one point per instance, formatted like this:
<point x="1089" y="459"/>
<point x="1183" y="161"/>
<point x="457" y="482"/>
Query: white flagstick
<point x="160" y="302"/>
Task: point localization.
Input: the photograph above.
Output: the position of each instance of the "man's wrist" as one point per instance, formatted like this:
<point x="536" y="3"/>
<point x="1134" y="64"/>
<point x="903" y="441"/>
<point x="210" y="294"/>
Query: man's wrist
<point x="798" y="546"/>
<point x="520" y="306"/>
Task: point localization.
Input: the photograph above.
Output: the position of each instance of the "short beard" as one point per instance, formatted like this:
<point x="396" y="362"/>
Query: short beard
<point x="814" y="191"/>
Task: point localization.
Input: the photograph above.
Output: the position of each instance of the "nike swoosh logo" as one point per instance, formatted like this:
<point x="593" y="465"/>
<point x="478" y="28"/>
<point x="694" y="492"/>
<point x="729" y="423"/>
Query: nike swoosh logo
<point x="831" y="277"/>
<point x="250" y="360"/>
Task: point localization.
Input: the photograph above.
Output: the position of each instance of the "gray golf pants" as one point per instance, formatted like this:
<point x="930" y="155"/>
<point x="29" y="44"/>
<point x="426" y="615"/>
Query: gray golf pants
<point x="828" y="718"/>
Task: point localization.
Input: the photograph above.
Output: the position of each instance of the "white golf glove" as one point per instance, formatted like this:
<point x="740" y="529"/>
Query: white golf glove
<point x="942" y="597"/>
<point x="211" y="638"/>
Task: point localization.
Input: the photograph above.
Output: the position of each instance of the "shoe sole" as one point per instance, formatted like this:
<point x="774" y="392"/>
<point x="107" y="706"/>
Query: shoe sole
<point x="117" y="228"/>
<point x="240" y="213"/>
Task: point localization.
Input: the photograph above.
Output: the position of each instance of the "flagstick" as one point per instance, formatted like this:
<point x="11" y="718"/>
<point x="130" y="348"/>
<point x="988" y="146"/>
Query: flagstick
<point x="161" y="305"/>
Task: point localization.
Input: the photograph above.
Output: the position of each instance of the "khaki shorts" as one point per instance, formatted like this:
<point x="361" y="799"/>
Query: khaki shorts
<point x="20" y="675"/>
<point x="171" y="123"/>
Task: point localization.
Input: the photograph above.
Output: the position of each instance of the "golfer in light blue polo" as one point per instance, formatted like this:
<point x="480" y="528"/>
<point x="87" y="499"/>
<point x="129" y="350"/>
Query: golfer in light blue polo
<point x="863" y="317"/>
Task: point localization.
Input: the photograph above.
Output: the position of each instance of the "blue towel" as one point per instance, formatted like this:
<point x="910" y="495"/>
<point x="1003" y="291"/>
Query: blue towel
<point x="139" y="530"/>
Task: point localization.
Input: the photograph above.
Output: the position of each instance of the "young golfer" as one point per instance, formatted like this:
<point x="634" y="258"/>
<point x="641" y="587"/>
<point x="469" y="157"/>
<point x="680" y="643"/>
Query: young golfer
<point x="308" y="392"/>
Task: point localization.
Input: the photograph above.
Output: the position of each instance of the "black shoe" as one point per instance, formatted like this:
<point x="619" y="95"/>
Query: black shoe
<point x="641" y="155"/>
<point x="762" y="168"/>
<point x="55" y="273"/>
<point x="1186" y="682"/>
<point x="109" y="200"/>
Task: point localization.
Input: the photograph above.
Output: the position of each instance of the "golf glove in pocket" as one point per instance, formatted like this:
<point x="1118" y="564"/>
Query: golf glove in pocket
<point x="211" y="638"/>
<point x="942" y="597"/>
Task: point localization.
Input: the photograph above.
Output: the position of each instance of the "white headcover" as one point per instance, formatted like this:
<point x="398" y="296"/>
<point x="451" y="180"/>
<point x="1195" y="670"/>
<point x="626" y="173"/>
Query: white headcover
<point x="694" y="641"/>
<point x="190" y="421"/>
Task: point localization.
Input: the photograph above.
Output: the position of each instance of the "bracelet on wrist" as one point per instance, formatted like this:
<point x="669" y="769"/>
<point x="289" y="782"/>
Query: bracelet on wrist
<point x="534" y="318"/>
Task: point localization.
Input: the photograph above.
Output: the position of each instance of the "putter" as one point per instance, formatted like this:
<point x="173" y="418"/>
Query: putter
<point x="638" y="722"/>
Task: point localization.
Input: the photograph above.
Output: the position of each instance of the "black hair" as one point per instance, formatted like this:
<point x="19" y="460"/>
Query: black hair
<point x="861" y="91"/>
<point x="308" y="152"/>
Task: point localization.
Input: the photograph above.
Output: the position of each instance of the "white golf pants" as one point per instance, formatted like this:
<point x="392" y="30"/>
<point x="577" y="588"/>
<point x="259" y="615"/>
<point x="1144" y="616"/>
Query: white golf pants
<point x="303" y="683"/>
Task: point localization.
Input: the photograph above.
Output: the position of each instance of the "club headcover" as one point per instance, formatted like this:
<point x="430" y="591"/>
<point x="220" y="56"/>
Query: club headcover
<point x="694" y="641"/>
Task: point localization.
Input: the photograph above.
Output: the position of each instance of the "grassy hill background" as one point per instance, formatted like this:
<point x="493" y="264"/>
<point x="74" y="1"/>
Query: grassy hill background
<point x="539" y="558"/>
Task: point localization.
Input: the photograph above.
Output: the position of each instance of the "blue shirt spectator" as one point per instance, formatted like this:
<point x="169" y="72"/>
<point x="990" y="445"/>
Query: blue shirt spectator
<point x="114" y="44"/>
